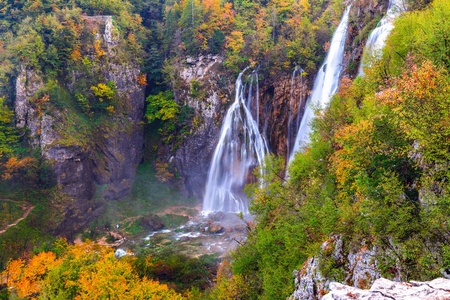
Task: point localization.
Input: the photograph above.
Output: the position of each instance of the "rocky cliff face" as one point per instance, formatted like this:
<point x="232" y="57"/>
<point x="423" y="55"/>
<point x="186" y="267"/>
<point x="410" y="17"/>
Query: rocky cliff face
<point x="108" y="156"/>
<point x="205" y="86"/>
<point x="356" y="266"/>
<point x="206" y="89"/>
<point x="364" y="17"/>
<point x="120" y="148"/>
<point x="275" y="96"/>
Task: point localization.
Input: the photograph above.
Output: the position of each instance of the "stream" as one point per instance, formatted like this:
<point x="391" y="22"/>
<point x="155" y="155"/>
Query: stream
<point x="218" y="233"/>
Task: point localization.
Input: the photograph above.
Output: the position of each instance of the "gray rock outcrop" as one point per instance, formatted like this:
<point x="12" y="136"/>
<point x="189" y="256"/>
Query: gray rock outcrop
<point x="152" y="222"/>
<point x="120" y="148"/>
<point x="384" y="289"/>
<point x="27" y="84"/>
<point x="357" y="267"/>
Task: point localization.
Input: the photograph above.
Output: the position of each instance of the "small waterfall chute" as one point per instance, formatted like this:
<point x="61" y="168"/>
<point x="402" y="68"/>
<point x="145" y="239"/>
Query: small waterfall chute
<point x="377" y="38"/>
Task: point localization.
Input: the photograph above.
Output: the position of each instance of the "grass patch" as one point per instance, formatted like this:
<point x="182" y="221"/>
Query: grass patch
<point x="25" y="236"/>
<point x="10" y="212"/>
<point x="173" y="220"/>
<point x="34" y="233"/>
<point x="135" y="227"/>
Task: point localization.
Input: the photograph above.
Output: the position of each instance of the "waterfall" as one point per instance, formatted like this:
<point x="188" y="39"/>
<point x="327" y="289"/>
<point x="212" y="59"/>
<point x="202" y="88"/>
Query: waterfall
<point x="240" y="149"/>
<point x="290" y="138"/>
<point x="326" y="83"/>
<point x="378" y="36"/>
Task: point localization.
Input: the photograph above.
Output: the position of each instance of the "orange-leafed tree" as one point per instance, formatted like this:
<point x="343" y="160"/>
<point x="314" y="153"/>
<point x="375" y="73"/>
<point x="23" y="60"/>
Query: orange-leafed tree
<point x="86" y="271"/>
<point x="28" y="279"/>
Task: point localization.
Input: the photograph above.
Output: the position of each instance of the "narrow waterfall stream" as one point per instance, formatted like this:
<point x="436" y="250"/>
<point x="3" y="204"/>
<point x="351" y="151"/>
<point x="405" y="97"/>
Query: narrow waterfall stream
<point x="326" y="83"/>
<point x="377" y="38"/>
<point x="241" y="148"/>
<point x="292" y="128"/>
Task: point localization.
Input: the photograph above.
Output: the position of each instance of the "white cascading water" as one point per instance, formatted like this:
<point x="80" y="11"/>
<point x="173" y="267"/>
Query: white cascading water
<point x="326" y="83"/>
<point x="378" y="36"/>
<point x="290" y="138"/>
<point x="240" y="149"/>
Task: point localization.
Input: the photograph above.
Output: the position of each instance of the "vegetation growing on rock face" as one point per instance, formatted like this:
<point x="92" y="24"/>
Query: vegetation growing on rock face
<point x="8" y="136"/>
<point x="64" y="62"/>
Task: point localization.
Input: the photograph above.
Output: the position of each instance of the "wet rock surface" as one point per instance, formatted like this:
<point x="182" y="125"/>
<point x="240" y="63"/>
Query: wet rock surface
<point x="363" y="19"/>
<point x="215" y="228"/>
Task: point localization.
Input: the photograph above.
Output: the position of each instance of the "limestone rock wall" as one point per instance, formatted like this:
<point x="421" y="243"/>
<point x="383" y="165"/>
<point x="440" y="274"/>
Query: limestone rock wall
<point x="213" y="90"/>
<point x="120" y="149"/>
<point x="110" y="156"/>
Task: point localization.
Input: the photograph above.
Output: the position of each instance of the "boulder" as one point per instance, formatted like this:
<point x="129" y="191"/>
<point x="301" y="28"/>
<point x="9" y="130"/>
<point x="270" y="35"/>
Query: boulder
<point x="152" y="222"/>
<point x="215" y="228"/>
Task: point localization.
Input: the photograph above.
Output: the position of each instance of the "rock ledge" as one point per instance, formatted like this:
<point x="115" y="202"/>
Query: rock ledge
<point x="438" y="289"/>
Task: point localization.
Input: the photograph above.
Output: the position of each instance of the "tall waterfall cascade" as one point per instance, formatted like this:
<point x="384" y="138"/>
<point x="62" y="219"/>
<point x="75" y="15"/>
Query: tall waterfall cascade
<point x="240" y="149"/>
<point x="377" y="38"/>
<point x="326" y="83"/>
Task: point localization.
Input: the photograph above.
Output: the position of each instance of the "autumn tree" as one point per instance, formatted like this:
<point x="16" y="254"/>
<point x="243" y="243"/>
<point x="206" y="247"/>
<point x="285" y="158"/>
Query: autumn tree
<point x="87" y="271"/>
<point x="161" y="106"/>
